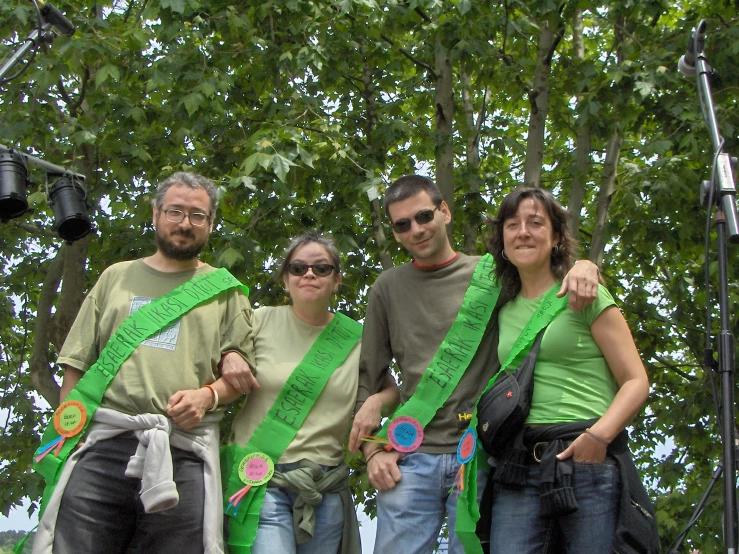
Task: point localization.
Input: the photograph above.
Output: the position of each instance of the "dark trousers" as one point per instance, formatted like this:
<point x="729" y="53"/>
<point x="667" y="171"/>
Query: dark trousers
<point x="100" y="511"/>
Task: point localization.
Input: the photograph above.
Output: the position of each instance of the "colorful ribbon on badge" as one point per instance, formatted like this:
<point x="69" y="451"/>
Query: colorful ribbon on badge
<point x="69" y="420"/>
<point x="404" y="434"/>
<point x="465" y="453"/>
<point x="254" y="469"/>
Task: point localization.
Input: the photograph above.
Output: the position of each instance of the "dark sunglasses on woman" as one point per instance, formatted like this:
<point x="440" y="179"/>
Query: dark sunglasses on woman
<point x="298" y="269"/>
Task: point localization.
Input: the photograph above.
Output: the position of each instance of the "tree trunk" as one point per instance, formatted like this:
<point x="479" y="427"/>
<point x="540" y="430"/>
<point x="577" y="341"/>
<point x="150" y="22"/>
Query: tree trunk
<point x="444" y="119"/>
<point x="610" y="165"/>
<point x="42" y="375"/>
<point x="605" y="196"/>
<point x="375" y="211"/>
<point x="551" y="34"/>
<point x="72" y="293"/>
<point x="582" y="145"/>
<point x="473" y="183"/>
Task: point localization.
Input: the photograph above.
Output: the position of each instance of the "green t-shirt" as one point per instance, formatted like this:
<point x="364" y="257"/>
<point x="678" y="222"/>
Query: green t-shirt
<point x="281" y="341"/>
<point x="183" y="356"/>
<point x="572" y="381"/>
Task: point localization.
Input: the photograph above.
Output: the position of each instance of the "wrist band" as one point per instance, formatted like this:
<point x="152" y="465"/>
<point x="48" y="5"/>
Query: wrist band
<point x="596" y="437"/>
<point x="372" y="454"/>
<point x="215" y="397"/>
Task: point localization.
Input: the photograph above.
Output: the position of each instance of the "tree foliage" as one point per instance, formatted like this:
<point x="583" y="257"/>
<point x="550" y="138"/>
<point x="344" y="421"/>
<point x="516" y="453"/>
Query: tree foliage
<point x="298" y="108"/>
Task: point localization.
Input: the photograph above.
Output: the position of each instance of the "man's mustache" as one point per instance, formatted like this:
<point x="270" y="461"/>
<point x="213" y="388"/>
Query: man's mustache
<point x="184" y="232"/>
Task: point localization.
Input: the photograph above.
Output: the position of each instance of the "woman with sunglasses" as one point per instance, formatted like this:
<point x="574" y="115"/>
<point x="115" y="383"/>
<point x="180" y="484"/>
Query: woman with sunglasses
<point x="307" y="507"/>
<point x="589" y="382"/>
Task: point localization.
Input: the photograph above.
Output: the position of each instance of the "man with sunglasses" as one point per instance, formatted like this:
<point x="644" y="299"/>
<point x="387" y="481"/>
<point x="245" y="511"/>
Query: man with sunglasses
<point x="146" y="477"/>
<point x="410" y="311"/>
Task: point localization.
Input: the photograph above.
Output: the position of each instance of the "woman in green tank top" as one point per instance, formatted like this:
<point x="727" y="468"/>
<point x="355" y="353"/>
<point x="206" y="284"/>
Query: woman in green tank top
<point x="589" y="382"/>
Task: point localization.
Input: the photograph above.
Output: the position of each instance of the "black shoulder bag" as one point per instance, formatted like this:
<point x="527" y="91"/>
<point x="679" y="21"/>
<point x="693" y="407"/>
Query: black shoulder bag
<point x="503" y="409"/>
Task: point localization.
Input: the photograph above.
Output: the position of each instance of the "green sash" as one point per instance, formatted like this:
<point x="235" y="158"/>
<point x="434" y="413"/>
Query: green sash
<point x="468" y="512"/>
<point x="456" y="351"/>
<point x="279" y="427"/>
<point x="139" y="326"/>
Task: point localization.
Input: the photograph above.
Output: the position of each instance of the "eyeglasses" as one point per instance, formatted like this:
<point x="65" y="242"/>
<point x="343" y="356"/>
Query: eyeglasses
<point x="422" y="218"/>
<point x="298" y="269"/>
<point x="177" y="216"/>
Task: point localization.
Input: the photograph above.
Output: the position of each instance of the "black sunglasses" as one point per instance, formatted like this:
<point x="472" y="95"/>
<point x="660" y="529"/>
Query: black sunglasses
<point x="422" y="218"/>
<point x="319" y="270"/>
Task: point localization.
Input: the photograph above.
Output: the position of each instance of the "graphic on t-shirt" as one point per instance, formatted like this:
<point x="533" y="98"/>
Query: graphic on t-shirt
<point x="167" y="337"/>
<point x="464" y="416"/>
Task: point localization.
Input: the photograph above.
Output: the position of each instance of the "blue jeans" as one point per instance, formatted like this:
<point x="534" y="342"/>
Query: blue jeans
<point x="410" y="515"/>
<point x="275" y="533"/>
<point x="519" y="527"/>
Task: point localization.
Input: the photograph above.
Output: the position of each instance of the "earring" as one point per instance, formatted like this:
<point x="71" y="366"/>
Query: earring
<point x="555" y="250"/>
<point x="504" y="256"/>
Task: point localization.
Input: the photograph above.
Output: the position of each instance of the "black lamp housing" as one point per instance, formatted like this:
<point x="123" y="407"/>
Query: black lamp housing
<point x="13" y="180"/>
<point x="68" y="200"/>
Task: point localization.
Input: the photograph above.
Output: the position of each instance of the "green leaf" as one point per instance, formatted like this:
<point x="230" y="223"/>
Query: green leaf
<point x="644" y="88"/>
<point x="464" y="6"/>
<point x="37" y="198"/>
<point x="106" y="71"/>
<point x="84" y="136"/>
<point x="281" y="166"/>
<point x="192" y="102"/>
<point x="137" y="114"/>
<point x="229" y="258"/>
<point x="305" y="156"/>
<point x="207" y="88"/>
<point x="177" y="6"/>
<point x="258" y="158"/>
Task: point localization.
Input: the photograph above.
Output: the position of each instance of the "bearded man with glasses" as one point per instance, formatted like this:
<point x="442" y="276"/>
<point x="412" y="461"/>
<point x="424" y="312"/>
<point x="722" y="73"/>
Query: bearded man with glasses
<point x="146" y="477"/>
<point x="410" y="312"/>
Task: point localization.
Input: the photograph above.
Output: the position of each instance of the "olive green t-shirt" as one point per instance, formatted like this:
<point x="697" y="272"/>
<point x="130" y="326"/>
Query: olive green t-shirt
<point x="281" y="341"/>
<point x="409" y="313"/>
<point x="183" y="356"/>
<point x="572" y="381"/>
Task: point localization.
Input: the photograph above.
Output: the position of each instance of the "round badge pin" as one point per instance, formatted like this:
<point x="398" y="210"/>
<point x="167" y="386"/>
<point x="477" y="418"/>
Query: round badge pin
<point x="467" y="446"/>
<point x="256" y="469"/>
<point x="405" y="434"/>
<point x="69" y="418"/>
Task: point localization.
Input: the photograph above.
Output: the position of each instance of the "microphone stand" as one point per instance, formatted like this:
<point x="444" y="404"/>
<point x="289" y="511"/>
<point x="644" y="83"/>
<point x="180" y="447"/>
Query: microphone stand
<point x="721" y="188"/>
<point x="38" y="36"/>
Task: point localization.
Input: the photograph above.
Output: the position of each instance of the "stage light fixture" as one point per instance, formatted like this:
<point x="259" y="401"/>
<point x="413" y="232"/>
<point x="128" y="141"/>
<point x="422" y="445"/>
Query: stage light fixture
<point x="68" y="200"/>
<point x="13" y="179"/>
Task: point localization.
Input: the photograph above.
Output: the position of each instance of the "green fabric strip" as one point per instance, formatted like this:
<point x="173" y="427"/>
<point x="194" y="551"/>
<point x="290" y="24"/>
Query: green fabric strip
<point x="280" y="425"/>
<point x="139" y="326"/>
<point x="456" y="351"/>
<point x="468" y="512"/>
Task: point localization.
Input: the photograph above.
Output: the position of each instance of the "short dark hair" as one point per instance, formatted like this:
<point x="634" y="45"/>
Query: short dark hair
<point x="505" y="272"/>
<point x="308" y="238"/>
<point x="408" y="186"/>
<point x="187" y="179"/>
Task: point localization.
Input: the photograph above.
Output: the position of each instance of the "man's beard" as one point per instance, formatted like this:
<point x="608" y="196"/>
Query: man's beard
<point x="182" y="253"/>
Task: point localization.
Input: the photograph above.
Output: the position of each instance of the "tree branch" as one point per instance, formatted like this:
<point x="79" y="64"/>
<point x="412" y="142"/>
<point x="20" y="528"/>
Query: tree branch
<point x="41" y="372"/>
<point x="33" y="229"/>
<point x="672" y="367"/>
